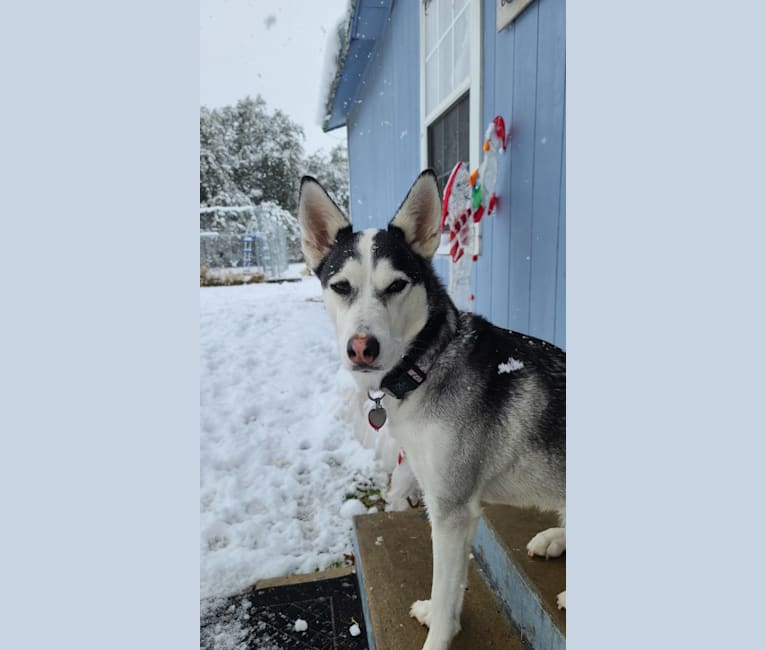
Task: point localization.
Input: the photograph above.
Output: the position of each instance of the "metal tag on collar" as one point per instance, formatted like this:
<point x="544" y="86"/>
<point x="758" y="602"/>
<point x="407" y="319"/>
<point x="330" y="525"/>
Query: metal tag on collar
<point x="377" y="416"/>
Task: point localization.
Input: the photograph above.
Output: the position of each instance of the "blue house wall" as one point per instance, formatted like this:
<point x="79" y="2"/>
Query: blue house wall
<point x="519" y="279"/>
<point x="384" y="126"/>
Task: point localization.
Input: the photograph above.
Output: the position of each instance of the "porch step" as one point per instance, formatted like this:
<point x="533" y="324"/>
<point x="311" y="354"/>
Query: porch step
<point x="527" y="586"/>
<point x="393" y="566"/>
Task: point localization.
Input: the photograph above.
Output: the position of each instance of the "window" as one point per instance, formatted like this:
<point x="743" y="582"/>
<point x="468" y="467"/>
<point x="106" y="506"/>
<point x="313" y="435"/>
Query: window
<point x="450" y="88"/>
<point x="447" y="51"/>
<point x="448" y="140"/>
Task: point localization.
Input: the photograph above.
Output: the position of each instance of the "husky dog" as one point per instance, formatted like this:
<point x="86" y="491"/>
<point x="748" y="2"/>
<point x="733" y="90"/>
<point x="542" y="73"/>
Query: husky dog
<point x="479" y="411"/>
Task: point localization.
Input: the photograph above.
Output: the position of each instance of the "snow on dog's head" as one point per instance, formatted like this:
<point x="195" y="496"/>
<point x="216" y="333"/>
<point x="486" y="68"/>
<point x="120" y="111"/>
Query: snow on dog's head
<point x="373" y="281"/>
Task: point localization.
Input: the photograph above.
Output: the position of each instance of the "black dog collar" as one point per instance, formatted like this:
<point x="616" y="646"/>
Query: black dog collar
<point x="412" y="370"/>
<point x="404" y="378"/>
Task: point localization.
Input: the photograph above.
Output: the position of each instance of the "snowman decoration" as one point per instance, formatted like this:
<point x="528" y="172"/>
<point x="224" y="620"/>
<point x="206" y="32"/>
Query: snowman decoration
<point x="467" y="198"/>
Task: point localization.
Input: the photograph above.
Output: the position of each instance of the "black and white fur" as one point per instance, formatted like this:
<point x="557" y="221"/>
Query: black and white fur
<point x="471" y="432"/>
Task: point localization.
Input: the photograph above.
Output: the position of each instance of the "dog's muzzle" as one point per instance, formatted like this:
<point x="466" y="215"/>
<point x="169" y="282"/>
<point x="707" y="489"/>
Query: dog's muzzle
<point x="362" y="350"/>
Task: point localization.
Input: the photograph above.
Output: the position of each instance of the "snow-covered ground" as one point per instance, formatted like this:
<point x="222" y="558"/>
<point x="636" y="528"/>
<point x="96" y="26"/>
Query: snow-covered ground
<point x="277" y="452"/>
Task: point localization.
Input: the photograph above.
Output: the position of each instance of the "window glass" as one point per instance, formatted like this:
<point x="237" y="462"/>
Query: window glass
<point x="448" y="139"/>
<point x="462" y="55"/>
<point x="447" y="49"/>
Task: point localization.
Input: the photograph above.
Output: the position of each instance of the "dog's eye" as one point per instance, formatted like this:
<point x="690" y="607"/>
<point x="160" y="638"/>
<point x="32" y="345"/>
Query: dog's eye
<point x="396" y="286"/>
<point x="343" y="287"/>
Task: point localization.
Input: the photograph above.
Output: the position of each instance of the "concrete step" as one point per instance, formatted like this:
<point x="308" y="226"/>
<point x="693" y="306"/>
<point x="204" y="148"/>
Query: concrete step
<point x="526" y="586"/>
<point x="393" y="565"/>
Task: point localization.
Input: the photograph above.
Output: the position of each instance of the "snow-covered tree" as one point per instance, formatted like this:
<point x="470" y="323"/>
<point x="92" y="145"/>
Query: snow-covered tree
<point x="216" y="185"/>
<point x="249" y="155"/>
<point x="332" y="172"/>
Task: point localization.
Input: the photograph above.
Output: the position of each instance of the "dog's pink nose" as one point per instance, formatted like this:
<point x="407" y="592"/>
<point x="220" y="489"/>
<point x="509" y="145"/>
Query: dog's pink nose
<point x="363" y="349"/>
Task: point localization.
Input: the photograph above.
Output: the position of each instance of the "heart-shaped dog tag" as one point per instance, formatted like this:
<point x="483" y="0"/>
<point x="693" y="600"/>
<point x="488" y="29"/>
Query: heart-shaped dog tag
<point x="377" y="417"/>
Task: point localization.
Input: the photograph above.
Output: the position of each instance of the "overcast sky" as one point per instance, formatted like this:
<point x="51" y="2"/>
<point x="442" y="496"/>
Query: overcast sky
<point x="272" y="47"/>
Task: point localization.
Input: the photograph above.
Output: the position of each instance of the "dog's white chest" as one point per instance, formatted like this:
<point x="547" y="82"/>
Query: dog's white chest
<point x="422" y="439"/>
<point x="404" y="418"/>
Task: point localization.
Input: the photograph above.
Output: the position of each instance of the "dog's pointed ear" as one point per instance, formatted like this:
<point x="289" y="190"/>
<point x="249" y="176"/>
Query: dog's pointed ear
<point x="320" y="220"/>
<point x="419" y="216"/>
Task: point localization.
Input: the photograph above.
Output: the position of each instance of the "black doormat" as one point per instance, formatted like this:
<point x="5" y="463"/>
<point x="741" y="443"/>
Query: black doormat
<point x="265" y="619"/>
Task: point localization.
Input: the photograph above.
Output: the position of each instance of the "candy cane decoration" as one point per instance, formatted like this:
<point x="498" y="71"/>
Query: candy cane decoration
<point x="456" y="211"/>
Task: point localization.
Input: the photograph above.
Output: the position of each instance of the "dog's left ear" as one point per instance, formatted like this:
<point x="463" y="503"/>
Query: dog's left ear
<point x="419" y="216"/>
<point x="320" y="221"/>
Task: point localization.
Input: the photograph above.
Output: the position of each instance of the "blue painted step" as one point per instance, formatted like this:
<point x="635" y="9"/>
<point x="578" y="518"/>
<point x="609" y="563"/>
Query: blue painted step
<point x="526" y="586"/>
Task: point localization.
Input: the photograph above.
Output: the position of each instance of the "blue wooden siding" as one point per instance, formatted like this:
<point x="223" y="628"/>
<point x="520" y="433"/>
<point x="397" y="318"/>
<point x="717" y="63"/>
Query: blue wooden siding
<point x="384" y="126"/>
<point x="520" y="278"/>
<point x="384" y="123"/>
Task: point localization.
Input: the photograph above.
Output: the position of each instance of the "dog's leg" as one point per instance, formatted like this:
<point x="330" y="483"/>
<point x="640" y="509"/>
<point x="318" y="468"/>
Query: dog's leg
<point x="451" y="536"/>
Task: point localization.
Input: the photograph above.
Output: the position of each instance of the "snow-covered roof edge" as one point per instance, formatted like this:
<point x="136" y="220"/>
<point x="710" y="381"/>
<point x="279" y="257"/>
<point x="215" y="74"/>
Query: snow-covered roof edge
<point x="336" y="51"/>
<point x="364" y="26"/>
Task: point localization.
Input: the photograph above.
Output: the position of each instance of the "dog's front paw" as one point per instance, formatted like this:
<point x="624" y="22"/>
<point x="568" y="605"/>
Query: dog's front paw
<point x="421" y="610"/>
<point x="561" y="600"/>
<point x="549" y="543"/>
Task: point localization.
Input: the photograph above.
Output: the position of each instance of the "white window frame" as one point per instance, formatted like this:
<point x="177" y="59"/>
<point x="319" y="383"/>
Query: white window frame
<point x="473" y="85"/>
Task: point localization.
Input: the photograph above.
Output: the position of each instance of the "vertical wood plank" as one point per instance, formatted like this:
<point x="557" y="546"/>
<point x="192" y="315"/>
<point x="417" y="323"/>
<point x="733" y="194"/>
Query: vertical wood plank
<point x="549" y="124"/>
<point x="504" y="89"/>
<point x="560" y="335"/>
<point x="523" y="164"/>
<point x="405" y="81"/>
<point x="482" y="277"/>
